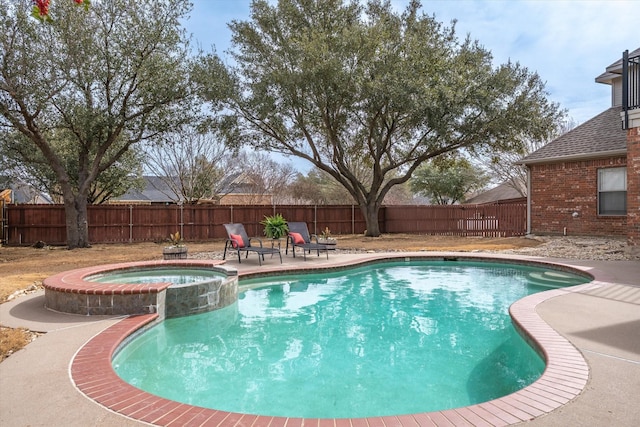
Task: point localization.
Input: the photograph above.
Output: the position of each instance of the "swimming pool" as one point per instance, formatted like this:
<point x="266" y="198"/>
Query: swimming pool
<point x="398" y="349"/>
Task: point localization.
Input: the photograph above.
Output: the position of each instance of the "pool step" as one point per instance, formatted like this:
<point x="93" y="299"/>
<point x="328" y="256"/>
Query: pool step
<point x="551" y="279"/>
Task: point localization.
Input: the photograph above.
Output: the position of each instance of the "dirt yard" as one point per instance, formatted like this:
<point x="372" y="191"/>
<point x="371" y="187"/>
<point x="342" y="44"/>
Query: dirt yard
<point x="22" y="269"/>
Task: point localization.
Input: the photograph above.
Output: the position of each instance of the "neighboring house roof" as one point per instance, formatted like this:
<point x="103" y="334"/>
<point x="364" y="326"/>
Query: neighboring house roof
<point x="599" y="137"/>
<point x="504" y="191"/>
<point x="23" y="193"/>
<point x="239" y="183"/>
<point x="615" y="70"/>
<point x="155" y="191"/>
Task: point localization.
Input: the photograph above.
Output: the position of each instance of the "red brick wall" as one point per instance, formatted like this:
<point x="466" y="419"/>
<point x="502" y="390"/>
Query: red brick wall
<point x="633" y="186"/>
<point x="560" y="189"/>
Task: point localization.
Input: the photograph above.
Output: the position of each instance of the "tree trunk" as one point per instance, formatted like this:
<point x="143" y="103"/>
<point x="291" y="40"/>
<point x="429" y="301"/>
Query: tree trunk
<point x="370" y="212"/>
<point x="75" y="208"/>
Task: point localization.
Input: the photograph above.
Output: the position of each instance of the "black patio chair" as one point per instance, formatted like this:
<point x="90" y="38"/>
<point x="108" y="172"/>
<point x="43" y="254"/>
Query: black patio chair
<point x="299" y="237"/>
<point x="239" y="241"/>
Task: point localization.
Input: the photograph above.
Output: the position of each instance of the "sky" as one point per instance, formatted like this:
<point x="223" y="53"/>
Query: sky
<point x="567" y="42"/>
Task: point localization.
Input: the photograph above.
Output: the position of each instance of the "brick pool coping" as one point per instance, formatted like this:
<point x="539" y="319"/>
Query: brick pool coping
<point x="565" y="375"/>
<point x="74" y="282"/>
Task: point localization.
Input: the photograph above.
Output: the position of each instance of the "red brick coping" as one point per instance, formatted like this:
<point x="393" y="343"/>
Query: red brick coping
<point x="565" y="376"/>
<point x="73" y="281"/>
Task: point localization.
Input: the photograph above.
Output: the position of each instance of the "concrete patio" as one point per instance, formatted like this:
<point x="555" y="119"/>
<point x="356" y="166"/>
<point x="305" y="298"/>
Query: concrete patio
<point x="603" y="323"/>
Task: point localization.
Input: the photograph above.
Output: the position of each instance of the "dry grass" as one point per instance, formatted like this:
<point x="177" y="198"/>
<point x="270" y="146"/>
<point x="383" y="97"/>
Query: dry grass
<point x="12" y="340"/>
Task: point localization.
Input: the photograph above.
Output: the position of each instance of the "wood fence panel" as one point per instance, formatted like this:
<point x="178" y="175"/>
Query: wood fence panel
<point x="27" y="224"/>
<point x="458" y="220"/>
<point x="200" y="222"/>
<point x="298" y="213"/>
<point x="251" y="216"/>
<point x="340" y="219"/>
<point x="109" y="224"/>
<point x="154" y="223"/>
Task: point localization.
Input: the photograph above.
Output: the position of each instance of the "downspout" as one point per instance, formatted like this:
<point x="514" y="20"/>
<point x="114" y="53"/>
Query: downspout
<point x="625" y="89"/>
<point x="528" y="200"/>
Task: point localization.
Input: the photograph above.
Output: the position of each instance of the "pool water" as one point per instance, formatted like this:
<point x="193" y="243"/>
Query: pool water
<point x="386" y="339"/>
<point x="176" y="276"/>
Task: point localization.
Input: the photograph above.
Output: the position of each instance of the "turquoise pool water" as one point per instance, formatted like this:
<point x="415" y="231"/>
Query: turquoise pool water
<point x="385" y="339"/>
<point x="174" y="275"/>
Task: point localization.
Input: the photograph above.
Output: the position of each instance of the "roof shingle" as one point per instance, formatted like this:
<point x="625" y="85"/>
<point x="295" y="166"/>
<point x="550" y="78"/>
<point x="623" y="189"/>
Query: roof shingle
<point x="597" y="136"/>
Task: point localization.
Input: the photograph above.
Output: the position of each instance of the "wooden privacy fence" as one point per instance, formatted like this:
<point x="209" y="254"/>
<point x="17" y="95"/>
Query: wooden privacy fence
<point x="495" y="220"/>
<point x="28" y="224"/>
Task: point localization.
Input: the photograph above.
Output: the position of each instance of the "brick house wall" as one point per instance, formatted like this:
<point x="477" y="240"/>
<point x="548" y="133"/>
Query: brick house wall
<point x="560" y="189"/>
<point x="633" y="186"/>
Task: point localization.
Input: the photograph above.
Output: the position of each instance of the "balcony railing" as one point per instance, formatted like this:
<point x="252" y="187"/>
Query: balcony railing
<point x="630" y="85"/>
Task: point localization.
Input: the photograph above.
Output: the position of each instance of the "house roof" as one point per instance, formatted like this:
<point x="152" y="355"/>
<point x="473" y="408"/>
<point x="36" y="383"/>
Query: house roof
<point x="615" y="70"/>
<point x="504" y="191"/>
<point x="20" y="192"/>
<point x="600" y="136"/>
<point x="155" y="191"/>
<point x="158" y="191"/>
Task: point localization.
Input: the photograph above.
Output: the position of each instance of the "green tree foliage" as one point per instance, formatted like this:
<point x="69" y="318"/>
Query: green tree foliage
<point x="319" y="188"/>
<point x="22" y="160"/>
<point x="101" y="80"/>
<point x="354" y="88"/>
<point x="447" y="180"/>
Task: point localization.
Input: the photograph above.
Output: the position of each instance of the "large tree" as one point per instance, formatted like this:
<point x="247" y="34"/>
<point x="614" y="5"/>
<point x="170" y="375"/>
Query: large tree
<point x="24" y="162"/>
<point x="447" y="180"/>
<point x="319" y="188"/>
<point x="100" y="79"/>
<point x="263" y="176"/>
<point x="194" y="165"/>
<point x="349" y="86"/>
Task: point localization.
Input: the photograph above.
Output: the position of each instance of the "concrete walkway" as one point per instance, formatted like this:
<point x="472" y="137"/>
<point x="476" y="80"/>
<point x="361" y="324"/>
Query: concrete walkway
<point x="603" y="323"/>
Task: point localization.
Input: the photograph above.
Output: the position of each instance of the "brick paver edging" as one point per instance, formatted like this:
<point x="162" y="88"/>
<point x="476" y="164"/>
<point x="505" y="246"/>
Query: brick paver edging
<point x="565" y="376"/>
<point x="74" y="282"/>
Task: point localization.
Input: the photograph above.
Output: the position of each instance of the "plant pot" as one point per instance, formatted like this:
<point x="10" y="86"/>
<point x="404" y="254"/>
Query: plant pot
<point x="174" y="252"/>
<point x="326" y="241"/>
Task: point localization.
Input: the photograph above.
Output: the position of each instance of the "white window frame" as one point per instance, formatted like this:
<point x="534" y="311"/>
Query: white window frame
<point x="610" y="182"/>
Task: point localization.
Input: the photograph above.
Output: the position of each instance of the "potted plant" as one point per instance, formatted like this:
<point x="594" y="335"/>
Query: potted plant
<point x="325" y="237"/>
<point x="177" y="250"/>
<point x="275" y="227"/>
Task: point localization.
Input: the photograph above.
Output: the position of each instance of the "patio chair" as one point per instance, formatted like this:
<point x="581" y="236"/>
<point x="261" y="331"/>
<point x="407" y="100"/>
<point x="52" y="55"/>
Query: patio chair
<point x="239" y="241"/>
<point x="299" y="237"/>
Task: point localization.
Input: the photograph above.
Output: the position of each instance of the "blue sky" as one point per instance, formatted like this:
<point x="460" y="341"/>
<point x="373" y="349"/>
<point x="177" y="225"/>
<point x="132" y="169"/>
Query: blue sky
<point x="568" y="42"/>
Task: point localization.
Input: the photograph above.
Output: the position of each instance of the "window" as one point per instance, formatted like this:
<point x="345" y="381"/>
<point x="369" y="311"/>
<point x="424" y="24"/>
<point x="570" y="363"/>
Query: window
<point x="612" y="191"/>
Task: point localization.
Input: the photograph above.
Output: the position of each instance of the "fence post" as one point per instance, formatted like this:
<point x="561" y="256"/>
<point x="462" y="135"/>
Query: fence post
<point x="130" y="223"/>
<point x="315" y="219"/>
<point x="353" y="219"/>
<point x="3" y="233"/>
<point x="2" y="221"/>
<point x="181" y="218"/>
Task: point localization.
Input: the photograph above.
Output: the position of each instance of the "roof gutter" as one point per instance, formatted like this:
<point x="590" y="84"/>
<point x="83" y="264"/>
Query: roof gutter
<point x="583" y="156"/>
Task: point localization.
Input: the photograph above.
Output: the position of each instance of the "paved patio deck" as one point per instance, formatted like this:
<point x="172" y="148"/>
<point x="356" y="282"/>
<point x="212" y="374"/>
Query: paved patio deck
<point x="602" y="322"/>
